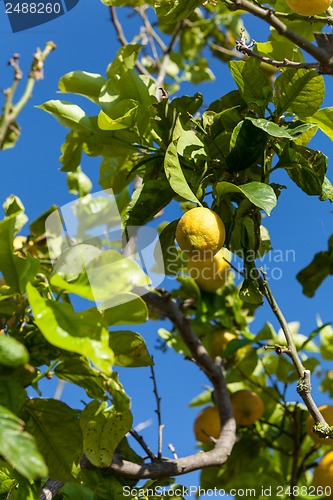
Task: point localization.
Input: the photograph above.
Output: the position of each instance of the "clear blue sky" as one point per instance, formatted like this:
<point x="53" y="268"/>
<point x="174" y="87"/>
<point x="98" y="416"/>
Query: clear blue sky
<point x="85" y="40"/>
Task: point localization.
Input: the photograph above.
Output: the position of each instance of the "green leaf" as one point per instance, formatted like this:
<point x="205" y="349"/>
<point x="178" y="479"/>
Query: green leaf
<point x="327" y="190"/>
<point x="25" y="491"/>
<point x="17" y="271"/>
<point x="16" y="446"/>
<point x="14" y="206"/>
<point x="82" y="83"/>
<point x="127" y="309"/>
<point x="288" y="130"/>
<point x="75" y="491"/>
<point x="260" y="194"/>
<point x="71" y="152"/>
<point x="252" y="83"/>
<point x="123" y="116"/>
<point x="12" y="352"/>
<point x="68" y="115"/>
<point x="324" y="119"/>
<point x="83" y="333"/>
<point x="204" y="398"/>
<point x="250" y="292"/>
<point x="175" y="174"/>
<point x="247" y="145"/>
<point x="56" y="428"/>
<point x="104" y="275"/>
<point x="172" y="11"/>
<point x="115" y="172"/>
<point x="103" y="429"/>
<point x="78" y="182"/>
<point x="129" y="349"/>
<point x="169" y="251"/>
<point x="190" y="146"/>
<point x="314" y="274"/>
<point x="126" y="56"/>
<point x="12" y="395"/>
<point x="279" y="50"/>
<point x="147" y="201"/>
<point x="306" y="167"/>
<point x="78" y="371"/>
<point x="299" y="91"/>
<point x="326" y="342"/>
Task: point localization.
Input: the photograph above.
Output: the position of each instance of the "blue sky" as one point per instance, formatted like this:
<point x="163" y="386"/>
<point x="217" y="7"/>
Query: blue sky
<point x="85" y="40"/>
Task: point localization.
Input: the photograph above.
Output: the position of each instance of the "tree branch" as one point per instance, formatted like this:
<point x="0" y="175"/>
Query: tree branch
<point x="241" y="46"/>
<point x="268" y="16"/>
<point x="11" y="110"/>
<point x="158" y="412"/>
<point x="304" y="383"/>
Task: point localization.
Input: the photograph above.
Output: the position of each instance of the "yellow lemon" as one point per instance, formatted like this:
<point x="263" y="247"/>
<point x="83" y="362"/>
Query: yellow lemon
<point x="309" y="7"/>
<point x="247" y="407"/>
<point x="200" y="232"/>
<point x="323" y="475"/>
<point x="211" y="273"/>
<point x="207" y="424"/>
<point x="327" y="413"/>
<point x="220" y="340"/>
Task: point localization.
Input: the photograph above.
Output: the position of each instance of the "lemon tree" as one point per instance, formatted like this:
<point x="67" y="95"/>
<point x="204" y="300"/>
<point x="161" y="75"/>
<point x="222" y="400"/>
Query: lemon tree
<point x="205" y="175"/>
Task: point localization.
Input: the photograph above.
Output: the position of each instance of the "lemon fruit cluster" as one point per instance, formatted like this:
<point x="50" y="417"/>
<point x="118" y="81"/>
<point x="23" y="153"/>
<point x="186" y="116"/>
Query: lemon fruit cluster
<point x="323" y="473"/>
<point x="309" y="7"/>
<point x="200" y="234"/>
<point x="327" y="413"/>
<point x="247" y="407"/>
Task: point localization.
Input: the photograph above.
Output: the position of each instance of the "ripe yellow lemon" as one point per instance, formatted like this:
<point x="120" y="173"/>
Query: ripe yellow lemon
<point x="199" y="231"/>
<point x="220" y="340"/>
<point x="327" y="413"/>
<point x="247" y="407"/>
<point x="211" y="273"/>
<point x="323" y="474"/>
<point x="309" y="7"/>
<point x="207" y="424"/>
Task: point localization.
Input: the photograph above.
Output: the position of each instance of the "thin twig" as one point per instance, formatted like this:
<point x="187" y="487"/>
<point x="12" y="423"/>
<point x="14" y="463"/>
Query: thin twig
<point x="173" y="451"/>
<point x="11" y="110"/>
<point x="304" y="383"/>
<point x="158" y="412"/>
<point x="142" y="443"/>
<point x="242" y="47"/>
<point x="270" y="18"/>
<point x="165" y="60"/>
